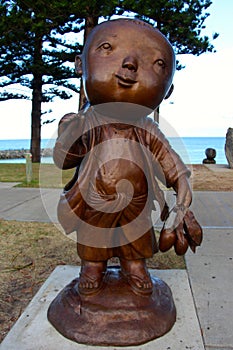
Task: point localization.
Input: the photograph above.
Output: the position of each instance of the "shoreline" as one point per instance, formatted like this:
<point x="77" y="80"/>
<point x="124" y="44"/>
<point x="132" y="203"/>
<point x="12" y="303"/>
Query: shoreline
<point x="20" y="153"/>
<point x="17" y="154"/>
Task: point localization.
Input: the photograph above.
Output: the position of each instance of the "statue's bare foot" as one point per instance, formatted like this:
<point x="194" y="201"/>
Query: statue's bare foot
<point x="91" y="276"/>
<point x="137" y="275"/>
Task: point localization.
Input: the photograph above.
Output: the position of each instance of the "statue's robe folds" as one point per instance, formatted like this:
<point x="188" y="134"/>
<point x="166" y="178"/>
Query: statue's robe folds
<point x="110" y="198"/>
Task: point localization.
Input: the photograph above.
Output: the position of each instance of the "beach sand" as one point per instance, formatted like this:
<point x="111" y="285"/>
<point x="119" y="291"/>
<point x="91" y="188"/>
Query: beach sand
<point x="213" y="177"/>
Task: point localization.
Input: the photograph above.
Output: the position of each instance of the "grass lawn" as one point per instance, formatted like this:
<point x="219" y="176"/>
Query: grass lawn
<point x="43" y="175"/>
<point x="48" y="175"/>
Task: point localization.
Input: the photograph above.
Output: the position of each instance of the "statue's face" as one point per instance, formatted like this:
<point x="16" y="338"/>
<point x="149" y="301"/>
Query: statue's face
<point x="127" y="62"/>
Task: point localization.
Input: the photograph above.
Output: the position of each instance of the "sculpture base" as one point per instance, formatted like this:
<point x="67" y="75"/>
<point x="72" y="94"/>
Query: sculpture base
<point x="209" y="161"/>
<point x="116" y="315"/>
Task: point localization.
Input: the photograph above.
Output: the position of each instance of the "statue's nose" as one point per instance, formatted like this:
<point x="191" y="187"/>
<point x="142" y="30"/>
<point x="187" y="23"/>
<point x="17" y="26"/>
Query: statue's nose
<point x="130" y="63"/>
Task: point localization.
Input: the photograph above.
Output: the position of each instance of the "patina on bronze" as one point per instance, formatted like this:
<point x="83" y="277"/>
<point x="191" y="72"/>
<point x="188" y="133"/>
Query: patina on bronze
<point x="127" y="68"/>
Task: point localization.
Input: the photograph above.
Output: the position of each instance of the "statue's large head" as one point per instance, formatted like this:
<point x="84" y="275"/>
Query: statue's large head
<point x="126" y="60"/>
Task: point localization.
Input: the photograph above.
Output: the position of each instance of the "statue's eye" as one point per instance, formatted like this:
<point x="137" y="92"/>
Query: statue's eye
<point x="105" y="46"/>
<point x="160" y="63"/>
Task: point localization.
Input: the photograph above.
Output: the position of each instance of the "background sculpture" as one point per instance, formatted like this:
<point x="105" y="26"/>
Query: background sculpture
<point x="229" y="147"/>
<point x="127" y="68"/>
<point x="210" y="155"/>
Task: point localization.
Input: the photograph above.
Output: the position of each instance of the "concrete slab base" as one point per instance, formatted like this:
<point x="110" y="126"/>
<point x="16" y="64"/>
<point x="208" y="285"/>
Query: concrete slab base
<point x="211" y="275"/>
<point x="33" y="332"/>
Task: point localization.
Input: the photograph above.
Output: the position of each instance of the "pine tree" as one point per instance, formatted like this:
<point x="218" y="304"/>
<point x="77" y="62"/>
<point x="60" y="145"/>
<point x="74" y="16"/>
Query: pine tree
<point x="36" y="54"/>
<point x="180" y="21"/>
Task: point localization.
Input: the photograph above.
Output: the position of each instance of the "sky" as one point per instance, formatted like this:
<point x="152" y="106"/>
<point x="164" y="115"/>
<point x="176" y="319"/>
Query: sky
<point x="201" y="104"/>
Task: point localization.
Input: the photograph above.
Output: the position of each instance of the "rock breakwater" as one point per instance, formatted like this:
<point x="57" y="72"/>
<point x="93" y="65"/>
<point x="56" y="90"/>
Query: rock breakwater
<point x="20" y="153"/>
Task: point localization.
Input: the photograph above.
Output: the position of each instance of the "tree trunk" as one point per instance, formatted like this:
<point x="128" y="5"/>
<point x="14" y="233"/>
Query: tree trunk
<point x="156" y="115"/>
<point x="36" y="119"/>
<point x="36" y="103"/>
<point x="90" y="23"/>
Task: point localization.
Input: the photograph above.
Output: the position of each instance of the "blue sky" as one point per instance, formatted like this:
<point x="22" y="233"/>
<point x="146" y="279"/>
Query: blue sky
<point x="199" y="106"/>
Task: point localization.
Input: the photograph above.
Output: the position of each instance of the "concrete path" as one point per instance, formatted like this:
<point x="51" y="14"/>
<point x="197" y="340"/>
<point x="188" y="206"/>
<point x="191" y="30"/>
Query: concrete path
<point x="210" y="270"/>
<point x="212" y="209"/>
<point x="210" y="273"/>
<point x="28" y="204"/>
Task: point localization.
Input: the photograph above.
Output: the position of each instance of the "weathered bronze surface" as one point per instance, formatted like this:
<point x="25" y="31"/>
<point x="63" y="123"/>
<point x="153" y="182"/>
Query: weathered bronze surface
<point x="127" y="68"/>
<point x="115" y="316"/>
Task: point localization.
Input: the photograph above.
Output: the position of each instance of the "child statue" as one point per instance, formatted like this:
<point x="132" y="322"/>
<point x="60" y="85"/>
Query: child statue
<point x="127" y="67"/>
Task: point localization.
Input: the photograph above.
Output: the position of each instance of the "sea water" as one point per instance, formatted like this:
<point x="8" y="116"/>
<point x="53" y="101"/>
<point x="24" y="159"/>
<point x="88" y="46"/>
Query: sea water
<point x="191" y="149"/>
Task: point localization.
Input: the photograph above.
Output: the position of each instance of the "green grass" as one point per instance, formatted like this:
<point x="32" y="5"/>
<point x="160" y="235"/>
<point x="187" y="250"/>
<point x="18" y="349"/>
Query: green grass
<point x="43" y="175"/>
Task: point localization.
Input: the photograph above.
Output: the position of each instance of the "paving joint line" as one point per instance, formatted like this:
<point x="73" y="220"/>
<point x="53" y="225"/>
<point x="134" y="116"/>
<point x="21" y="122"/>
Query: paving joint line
<point x="18" y="204"/>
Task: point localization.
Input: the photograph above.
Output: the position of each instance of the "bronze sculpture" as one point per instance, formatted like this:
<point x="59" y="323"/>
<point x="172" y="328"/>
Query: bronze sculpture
<point x="127" y="68"/>
<point x="210" y="155"/>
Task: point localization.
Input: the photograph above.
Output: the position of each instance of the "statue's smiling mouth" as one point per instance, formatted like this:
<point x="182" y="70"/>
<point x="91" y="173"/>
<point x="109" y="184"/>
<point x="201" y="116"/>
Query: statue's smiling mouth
<point x="125" y="80"/>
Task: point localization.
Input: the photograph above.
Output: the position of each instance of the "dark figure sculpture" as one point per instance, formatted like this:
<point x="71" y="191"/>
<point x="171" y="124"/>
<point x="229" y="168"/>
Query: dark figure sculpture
<point x="229" y="147"/>
<point x="127" y="68"/>
<point x="210" y="155"/>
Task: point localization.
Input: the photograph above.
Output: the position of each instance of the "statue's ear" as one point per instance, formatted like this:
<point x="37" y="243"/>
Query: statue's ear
<point x="78" y="66"/>
<point x="169" y="92"/>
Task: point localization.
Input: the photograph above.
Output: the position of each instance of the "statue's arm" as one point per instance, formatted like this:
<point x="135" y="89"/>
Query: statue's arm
<point x="181" y="228"/>
<point x="170" y="167"/>
<point x="70" y="146"/>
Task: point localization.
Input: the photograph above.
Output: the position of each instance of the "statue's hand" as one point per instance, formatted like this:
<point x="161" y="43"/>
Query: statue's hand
<point x="181" y="230"/>
<point x="193" y="230"/>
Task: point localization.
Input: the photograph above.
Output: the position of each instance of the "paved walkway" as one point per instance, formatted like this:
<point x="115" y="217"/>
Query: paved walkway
<point x="212" y="209"/>
<point x="211" y="274"/>
<point x="210" y="269"/>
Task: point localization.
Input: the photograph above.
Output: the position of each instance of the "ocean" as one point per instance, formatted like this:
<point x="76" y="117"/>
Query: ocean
<point x="191" y="149"/>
